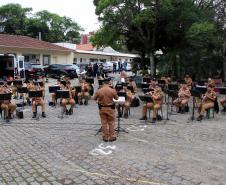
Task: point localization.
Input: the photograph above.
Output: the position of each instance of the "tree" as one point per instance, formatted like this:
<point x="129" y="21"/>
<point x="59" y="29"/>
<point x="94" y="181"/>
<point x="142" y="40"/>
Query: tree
<point x="13" y="18"/>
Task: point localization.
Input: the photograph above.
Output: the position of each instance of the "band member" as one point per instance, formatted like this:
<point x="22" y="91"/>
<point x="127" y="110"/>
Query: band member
<point x="188" y="80"/>
<point x="129" y="98"/>
<point x="134" y="85"/>
<point x="70" y="100"/>
<point x="104" y="96"/>
<point x="84" y="94"/>
<point x="223" y="102"/>
<point x="207" y="101"/>
<point x="183" y="97"/>
<point x="37" y="101"/>
<point x="6" y="105"/>
<point x="15" y="87"/>
<point x="157" y="96"/>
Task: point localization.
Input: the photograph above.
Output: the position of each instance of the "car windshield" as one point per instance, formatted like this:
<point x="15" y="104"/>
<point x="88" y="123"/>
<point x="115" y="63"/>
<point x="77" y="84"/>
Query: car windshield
<point x="36" y="66"/>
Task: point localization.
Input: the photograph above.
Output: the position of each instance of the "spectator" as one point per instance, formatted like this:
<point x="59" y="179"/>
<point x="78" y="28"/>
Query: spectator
<point x="95" y="70"/>
<point x="114" y="67"/>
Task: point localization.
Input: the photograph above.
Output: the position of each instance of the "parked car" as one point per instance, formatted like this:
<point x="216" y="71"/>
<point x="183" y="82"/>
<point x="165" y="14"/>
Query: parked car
<point x="33" y="70"/>
<point x="59" y="70"/>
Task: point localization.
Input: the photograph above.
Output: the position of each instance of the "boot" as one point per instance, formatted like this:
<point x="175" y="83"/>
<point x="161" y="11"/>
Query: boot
<point x="125" y="115"/>
<point x="179" y="110"/>
<point x="200" y="118"/>
<point x="34" y="115"/>
<point x="143" y="118"/>
<point x="86" y="102"/>
<point x="43" y="114"/>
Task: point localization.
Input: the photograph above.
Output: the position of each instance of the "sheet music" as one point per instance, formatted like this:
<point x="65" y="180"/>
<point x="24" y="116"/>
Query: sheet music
<point x="121" y="99"/>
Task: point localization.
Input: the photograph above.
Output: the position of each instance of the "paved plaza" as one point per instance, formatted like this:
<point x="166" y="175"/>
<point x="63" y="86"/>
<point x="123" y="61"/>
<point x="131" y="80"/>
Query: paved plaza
<point x="54" y="151"/>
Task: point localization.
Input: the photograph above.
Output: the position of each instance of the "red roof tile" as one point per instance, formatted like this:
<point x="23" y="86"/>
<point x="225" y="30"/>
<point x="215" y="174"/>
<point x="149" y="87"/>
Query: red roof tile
<point x="85" y="47"/>
<point x="18" y="41"/>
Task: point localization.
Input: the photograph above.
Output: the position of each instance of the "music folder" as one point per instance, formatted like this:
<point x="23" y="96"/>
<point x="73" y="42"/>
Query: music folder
<point x="35" y="94"/>
<point x="22" y="90"/>
<point x="62" y="94"/>
<point x="17" y="82"/>
<point x="53" y="89"/>
<point x="147" y="99"/>
<point x="120" y="100"/>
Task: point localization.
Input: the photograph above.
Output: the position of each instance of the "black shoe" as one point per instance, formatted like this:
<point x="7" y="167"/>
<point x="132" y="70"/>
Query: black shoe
<point x="7" y="119"/>
<point x="199" y="118"/>
<point x="21" y="97"/>
<point x="86" y="102"/>
<point x="105" y="140"/>
<point x="143" y="118"/>
<point x="179" y="110"/>
<point x="81" y="103"/>
<point x="125" y="115"/>
<point x="34" y="115"/>
<point x="29" y="102"/>
<point x="113" y="139"/>
<point x="43" y="114"/>
<point x="70" y="112"/>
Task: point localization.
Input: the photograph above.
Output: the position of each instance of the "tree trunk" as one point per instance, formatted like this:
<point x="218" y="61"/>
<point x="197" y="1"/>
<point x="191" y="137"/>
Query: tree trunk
<point x="224" y="68"/>
<point x="152" y="64"/>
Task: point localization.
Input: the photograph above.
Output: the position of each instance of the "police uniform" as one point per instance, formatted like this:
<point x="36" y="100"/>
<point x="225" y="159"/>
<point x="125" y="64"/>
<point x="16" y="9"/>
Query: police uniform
<point x="157" y="96"/>
<point x="207" y="101"/>
<point x="104" y="96"/>
<point x="84" y="94"/>
<point x="37" y="101"/>
<point x="183" y="97"/>
<point x="7" y="106"/>
<point x="69" y="100"/>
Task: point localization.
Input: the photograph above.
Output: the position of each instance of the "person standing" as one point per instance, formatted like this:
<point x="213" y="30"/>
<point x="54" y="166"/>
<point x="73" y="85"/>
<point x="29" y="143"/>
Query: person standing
<point x="114" y="67"/>
<point x="104" y="96"/>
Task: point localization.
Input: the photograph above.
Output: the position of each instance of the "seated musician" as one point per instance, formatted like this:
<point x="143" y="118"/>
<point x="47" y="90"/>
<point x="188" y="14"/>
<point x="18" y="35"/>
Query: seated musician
<point x="70" y="100"/>
<point x="129" y="98"/>
<point x="183" y="97"/>
<point x="38" y="101"/>
<point x="133" y="84"/>
<point x="207" y="101"/>
<point x="188" y="80"/>
<point x="157" y="96"/>
<point x="223" y="102"/>
<point x="6" y="105"/>
<point x="84" y="94"/>
<point x="15" y="87"/>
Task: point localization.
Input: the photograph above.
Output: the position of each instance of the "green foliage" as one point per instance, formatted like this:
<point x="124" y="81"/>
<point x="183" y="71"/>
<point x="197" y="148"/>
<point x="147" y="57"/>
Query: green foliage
<point x="17" y="20"/>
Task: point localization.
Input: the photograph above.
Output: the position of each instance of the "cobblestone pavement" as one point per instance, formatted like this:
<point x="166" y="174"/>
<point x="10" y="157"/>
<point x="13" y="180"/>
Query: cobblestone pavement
<point x="66" y="151"/>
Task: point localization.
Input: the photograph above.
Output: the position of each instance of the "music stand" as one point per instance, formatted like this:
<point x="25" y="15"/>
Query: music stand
<point x="23" y="90"/>
<point x="100" y="82"/>
<point x="146" y="99"/>
<point x="90" y="80"/>
<point x="120" y="101"/>
<point x="201" y="89"/>
<point x="2" y="82"/>
<point x="17" y="82"/>
<point x="145" y="86"/>
<point x="53" y="89"/>
<point x="194" y="93"/>
<point x="173" y="94"/>
<point x="9" y="83"/>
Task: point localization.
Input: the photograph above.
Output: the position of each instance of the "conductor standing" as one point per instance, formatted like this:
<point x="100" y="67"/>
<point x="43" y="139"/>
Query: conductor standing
<point x="104" y="96"/>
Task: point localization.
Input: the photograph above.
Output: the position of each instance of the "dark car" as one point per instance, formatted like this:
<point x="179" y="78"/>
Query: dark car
<point x="59" y="70"/>
<point x="33" y="70"/>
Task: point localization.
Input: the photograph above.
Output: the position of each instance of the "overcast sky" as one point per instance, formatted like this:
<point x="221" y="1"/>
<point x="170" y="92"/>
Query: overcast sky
<point x="81" y="11"/>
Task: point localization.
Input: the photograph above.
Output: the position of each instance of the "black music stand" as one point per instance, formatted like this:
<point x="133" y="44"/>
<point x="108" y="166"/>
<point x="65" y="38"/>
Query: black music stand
<point x="195" y="93"/>
<point x="144" y="85"/>
<point x="5" y="97"/>
<point x="53" y="89"/>
<point x="146" y="99"/>
<point x="62" y="94"/>
<point x="118" y="87"/>
<point x="23" y="90"/>
<point x="173" y="94"/>
<point x="17" y="82"/>
<point x="222" y="90"/>
<point x="120" y="105"/>
<point x="130" y="88"/>
<point x="201" y="89"/>
<point x="90" y="80"/>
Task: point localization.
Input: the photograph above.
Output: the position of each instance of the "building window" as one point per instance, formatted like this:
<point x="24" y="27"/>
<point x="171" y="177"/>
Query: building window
<point x="80" y="59"/>
<point x="74" y="60"/>
<point x="46" y="60"/>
